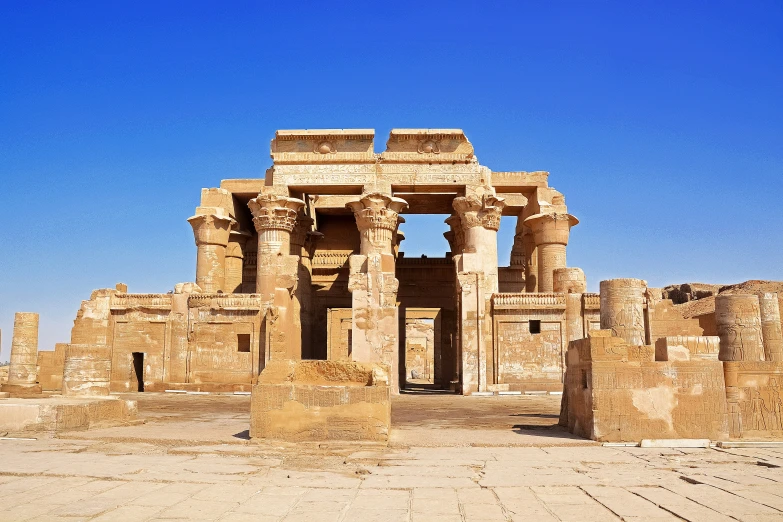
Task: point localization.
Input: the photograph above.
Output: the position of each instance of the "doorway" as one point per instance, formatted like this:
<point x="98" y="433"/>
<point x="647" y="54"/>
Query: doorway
<point x="138" y="370"/>
<point x="421" y="347"/>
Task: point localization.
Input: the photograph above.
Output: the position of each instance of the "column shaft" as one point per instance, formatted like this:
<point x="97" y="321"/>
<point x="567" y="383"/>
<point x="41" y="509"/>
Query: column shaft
<point x="738" y="319"/>
<point x="771" y="327"/>
<point x="23" y="371"/>
<point x="551" y="256"/>
<point x="211" y="228"/>
<point x="622" y="309"/>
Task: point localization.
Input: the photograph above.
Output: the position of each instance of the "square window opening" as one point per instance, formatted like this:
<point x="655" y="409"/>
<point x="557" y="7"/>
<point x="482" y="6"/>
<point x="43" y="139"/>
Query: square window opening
<point x="243" y="343"/>
<point x="535" y="326"/>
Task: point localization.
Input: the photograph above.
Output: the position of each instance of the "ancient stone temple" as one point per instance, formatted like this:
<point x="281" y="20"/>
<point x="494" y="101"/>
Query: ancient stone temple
<point x="306" y="264"/>
<point x="303" y="295"/>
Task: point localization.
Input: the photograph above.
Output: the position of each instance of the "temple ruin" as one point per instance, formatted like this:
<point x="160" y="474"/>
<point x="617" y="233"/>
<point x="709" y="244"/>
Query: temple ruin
<point x="303" y="296"/>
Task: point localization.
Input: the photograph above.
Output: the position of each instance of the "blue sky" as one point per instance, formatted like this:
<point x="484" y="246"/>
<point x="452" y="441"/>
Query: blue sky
<point x="661" y="122"/>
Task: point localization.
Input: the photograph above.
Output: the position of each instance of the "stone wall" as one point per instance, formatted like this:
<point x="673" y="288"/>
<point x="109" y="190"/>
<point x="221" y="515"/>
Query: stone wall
<point x="50" y="367"/>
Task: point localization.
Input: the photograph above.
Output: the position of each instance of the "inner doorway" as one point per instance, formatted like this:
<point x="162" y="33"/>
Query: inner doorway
<point x="138" y="370"/>
<point x="422" y="346"/>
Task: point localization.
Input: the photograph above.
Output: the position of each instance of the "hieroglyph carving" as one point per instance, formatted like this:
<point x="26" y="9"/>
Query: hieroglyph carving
<point x="738" y="318"/>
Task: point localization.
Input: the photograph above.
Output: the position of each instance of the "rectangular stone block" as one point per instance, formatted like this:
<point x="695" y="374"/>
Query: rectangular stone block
<point x="321" y="400"/>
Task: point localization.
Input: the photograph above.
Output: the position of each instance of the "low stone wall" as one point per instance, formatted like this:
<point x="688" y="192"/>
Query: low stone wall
<point x="62" y="414"/>
<point x="321" y="400"/>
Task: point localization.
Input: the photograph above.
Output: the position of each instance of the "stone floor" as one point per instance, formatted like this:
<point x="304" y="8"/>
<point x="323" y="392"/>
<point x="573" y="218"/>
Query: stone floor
<point x="192" y="461"/>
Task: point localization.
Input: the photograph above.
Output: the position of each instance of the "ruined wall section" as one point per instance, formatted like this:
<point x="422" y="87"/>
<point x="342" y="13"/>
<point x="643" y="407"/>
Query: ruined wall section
<point x="225" y="344"/>
<point x="617" y="392"/>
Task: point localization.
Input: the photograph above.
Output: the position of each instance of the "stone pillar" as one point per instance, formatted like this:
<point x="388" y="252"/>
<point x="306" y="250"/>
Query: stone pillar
<point x="477" y="277"/>
<point x="771" y="327"/>
<point x="375" y="320"/>
<point x="211" y="228"/>
<point x="531" y="259"/>
<point x="23" y="371"/>
<point x="274" y="217"/>
<point x="303" y="240"/>
<point x="738" y="319"/>
<point x="235" y="261"/>
<point x="571" y="281"/>
<point x="550" y="232"/>
<point x="622" y="309"/>
<point x="518" y="259"/>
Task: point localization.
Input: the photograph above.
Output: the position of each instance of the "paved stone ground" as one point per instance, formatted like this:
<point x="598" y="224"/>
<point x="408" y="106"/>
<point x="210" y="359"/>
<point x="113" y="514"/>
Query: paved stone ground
<point x="192" y="461"/>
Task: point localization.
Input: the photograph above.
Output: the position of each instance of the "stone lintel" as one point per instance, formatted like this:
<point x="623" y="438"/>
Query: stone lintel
<point x="243" y="186"/>
<point x="323" y="146"/>
<point x="427" y="146"/>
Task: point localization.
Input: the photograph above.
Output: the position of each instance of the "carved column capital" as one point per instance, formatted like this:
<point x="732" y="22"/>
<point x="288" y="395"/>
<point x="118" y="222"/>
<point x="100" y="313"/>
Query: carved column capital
<point x="479" y="211"/>
<point x="552" y="227"/>
<point x="377" y="211"/>
<point x="211" y="228"/>
<point x="299" y="235"/>
<point x="455" y="236"/>
<point x="377" y="217"/>
<point x="273" y="212"/>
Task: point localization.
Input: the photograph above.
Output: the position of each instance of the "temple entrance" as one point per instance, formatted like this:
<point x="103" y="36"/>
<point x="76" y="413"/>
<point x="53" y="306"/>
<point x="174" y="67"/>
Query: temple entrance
<point x="137" y="371"/>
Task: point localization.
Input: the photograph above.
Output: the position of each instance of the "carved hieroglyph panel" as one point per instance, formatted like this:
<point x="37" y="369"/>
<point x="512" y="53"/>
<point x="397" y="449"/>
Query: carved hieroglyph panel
<point x="523" y="356"/>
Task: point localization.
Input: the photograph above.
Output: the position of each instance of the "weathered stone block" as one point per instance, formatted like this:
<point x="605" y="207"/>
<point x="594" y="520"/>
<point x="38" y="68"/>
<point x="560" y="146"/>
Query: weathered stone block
<point x="321" y="400"/>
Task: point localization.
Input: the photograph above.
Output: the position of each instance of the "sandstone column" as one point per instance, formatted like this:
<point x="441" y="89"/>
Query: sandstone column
<point x="211" y="228"/>
<point x="235" y="261"/>
<point x="531" y="260"/>
<point x="738" y="319"/>
<point x="622" y="309"/>
<point x="274" y="217"/>
<point x="771" y="327"/>
<point x="551" y="232"/>
<point x="373" y="285"/>
<point x="23" y="371"/>
<point x="477" y="277"/>
<point x="303" y="240"/>
<point x="571" y="281"/>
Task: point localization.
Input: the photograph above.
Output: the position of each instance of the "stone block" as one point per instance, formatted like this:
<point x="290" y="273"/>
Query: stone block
<point x="321" y="400"/>
<point x="54" y="414"/>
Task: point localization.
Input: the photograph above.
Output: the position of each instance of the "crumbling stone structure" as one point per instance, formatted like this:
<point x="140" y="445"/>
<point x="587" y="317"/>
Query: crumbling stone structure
<point x="619" y="387"/>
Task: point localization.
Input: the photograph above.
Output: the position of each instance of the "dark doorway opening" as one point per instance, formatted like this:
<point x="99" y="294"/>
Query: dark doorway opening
<point x="138" y="369"/>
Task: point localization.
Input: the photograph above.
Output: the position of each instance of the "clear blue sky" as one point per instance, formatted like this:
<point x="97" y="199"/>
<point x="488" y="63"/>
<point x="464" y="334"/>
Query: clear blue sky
<point x="661" y="122"/>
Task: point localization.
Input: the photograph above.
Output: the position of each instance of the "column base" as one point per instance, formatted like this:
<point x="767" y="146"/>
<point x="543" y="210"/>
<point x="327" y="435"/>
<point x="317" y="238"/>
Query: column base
<point x="22" y="390"/>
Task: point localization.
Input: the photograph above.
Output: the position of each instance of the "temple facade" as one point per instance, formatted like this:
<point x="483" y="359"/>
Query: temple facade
<point x="305" y="263"/>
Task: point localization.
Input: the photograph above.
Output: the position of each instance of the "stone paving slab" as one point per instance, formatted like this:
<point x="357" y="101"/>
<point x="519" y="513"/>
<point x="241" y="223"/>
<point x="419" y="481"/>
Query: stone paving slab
<point x="505" y="487"/>
<point x="117" y="474"/>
